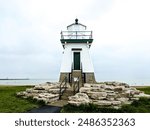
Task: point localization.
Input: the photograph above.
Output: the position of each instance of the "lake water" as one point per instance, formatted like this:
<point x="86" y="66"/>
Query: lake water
<point x="26" y="82"/>
<point x="142" y="82"/>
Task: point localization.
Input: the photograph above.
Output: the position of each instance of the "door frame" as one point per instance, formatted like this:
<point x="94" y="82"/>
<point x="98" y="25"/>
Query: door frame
<point x="74" y="59"/>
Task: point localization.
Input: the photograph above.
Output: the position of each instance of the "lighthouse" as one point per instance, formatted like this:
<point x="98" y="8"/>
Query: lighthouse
<point x="76" y="62"/>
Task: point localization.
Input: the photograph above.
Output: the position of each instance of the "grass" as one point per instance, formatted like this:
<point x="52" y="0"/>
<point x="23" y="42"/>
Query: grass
<point x="10" y="103"/>
<point x="141" y="106"/>
<point x="145" y="89"/>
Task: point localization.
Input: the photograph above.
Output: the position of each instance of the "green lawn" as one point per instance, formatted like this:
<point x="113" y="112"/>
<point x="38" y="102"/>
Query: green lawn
<point x="141" y="106"/>
<point x="10" y="103"/>
<point x="145" y="89"/>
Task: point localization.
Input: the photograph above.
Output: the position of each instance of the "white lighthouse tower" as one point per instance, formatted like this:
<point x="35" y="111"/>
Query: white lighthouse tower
<point x="76" y="62"/>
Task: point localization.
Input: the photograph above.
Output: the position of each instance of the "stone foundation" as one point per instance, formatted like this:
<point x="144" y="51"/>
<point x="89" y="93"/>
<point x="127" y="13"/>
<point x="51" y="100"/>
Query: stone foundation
<point x="62" y="76"/>
<point x="90" y="78"/>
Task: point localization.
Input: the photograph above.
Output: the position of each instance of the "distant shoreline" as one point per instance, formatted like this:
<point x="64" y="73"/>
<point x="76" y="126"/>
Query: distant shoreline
<point x="17" y="79"/>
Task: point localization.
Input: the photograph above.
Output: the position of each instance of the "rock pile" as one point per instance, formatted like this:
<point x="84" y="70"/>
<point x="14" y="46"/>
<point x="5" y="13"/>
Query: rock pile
<point x="47" y="92"/>
<point x="111" y="94"/>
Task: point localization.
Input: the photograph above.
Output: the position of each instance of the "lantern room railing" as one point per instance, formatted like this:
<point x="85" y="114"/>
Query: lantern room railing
<point x="76" y="35"/>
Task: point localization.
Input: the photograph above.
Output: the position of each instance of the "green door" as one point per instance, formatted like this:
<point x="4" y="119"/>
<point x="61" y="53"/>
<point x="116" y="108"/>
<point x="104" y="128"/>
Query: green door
<point x="76" y="60"/>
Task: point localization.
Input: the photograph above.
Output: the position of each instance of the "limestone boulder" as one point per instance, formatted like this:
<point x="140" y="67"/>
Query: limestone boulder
<point x="41" y="99"/>
<point x="135" y="92"/>
<point x="127" y="93"/>
<point x="124" y="95"/>
<point x="134" y="99"/>
<point x="29" y="90"/>
<point x="21" y="93"/>
<point x="107" y="103"/>
<point x="95" y="85"/>
<point x="97" y="89"/>
<point x="54" y="86"/>
<point x="54" y="91"/>
<point x="76" y="103"/>
<point x="110" y="98"/>
<point x="123" y="100"/>
<point x="78" y="99"/>
<point x="103" y="103"/>
<point x="117" y="84"/>
<point x="86" y="85"/>
<point x="97" y="95"/>
<point x="39" y="87"/>
<point x="142" y="95"/>
<point x="48" y="95"/>
<point x="35" y="91"/>
<point x="111" y="95"/>
<point x="119" y="88"/>
<point x="85" y="89"/>
<point x="39" y="91"/>
<point x="100" y="86"/>
<point x="29" y="95"/>
<point x="131" y="92"/>
<point x="93" y="89"/>
<point x="107" y="87"/>
<point x="116" y="103"/>
<point x="47" y="86"/>
<point x="132" y="88"/>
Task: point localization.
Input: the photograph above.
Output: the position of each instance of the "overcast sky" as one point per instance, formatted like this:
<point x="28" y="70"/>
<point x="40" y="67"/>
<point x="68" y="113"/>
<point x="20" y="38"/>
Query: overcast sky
<point x="30" y="37"/>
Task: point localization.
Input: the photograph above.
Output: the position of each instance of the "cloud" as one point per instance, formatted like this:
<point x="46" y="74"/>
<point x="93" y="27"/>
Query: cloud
<point x="30" y="33"/>
<point x="122" y="42"/>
